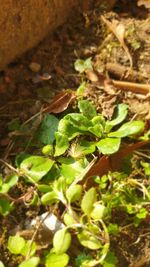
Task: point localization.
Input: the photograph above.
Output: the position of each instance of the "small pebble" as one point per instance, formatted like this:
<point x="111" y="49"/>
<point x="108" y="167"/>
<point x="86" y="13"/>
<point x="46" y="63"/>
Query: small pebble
<point x="35" y="67"/>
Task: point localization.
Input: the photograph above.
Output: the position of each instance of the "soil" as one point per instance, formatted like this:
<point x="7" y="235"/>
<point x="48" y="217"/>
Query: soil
<point x="23" y="91"/>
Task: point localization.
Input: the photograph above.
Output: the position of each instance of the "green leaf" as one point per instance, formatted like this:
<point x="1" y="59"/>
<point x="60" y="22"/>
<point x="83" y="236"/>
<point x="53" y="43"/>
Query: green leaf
<point x="1" y="179"/>
<point x="1" y="264"/>
<point x="82" y="259"/>
<point x="88" y="201"/>
<point x="87" y="108"/>
<point x="4" y="188"/>
<point x="60" y="185"/>
<point x="54" y="260"/>
<point x="10" y="181"/>
<point x="14" y="125"/>
<point x="109" y="146"/>
<point x="16" y="244"/>
<point x="20" y="157"/>
<point x="61" y="241"/>
<point x="113" y="229"/>
<point x="122" y="113"/>
<point x="36" y="167"/>
<point x="82" y="65"/>
<point x="88" y="63"/>
<point x="110" y="260"/>
<point x="73" y="170"/>
<point x="47" y="150"/>
<point x="44" y="188"/>
<point x="74" y="192"/>
<point x="98" y="123"/>
<point x="69" y="220"/>
<point x="98" y="211"/>
<point x="146" y="136"/>
<point x="32" y="262"/>
<point x="79" y="121"/>
<point x="86" y="147"/>
<point x="81" y="89"/>
<point x="49" y="198"/>
<point x="99" y="119"/>
<point x="128" y="128"/>
<point x="29" y="247"/>
<point x="96" y="130"/>
<point x="142" y="213"/>
<point x="48" y="127"/>
<point x="146" y="167"/>
<point x="89" y="241"/>
<point x="67" y="129"/>
<point x="5" y="207"/>
<point x="62" y="144"/>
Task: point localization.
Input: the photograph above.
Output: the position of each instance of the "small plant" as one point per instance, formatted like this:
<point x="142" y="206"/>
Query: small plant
<point x="59" y="175"/>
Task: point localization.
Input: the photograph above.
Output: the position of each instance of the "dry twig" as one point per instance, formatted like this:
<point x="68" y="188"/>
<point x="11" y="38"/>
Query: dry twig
<point x="118" y="30"/>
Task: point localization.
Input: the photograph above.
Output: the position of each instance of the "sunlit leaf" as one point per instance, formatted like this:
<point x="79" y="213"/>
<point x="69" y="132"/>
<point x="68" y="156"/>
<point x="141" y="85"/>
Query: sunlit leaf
<point x="60" y="184"/>
<point x="62" y="144"/>
<point x="61" y="241"/>
<point x="57" y="260"/>
<point x="89" y="240"/>
<point x="1" y="264"/>
<point x="32" y="262"/>
<point x="69" y="220"/>
<point x="79" y="121"/>
<point x="36" y="167"/>
<point x="81" y="65"/>
<point x="74" y="192"/>
<point x="146" y="167"/>
<point x="44" y="188"/>
<point x="87" y="147"/>
<point x="10" y="181"/>
<point x="49" y="198"/>
<point x="99" y="119"/>
<point x="109" y="146"/>
<point x="73" y="170"/>
<point x="16" y="244"/>
<point x="87" y="108"/>
<point x="47" y="150"/>
<point x="81" y="89"/>
<point x="88" y="201"/>
<point x="98" y="211"/>
<point x="128" y="128"/>
<point x="29" y="247"/>
<point x="122" y="113"/>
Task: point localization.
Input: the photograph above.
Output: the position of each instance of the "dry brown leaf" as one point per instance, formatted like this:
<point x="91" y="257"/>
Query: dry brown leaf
<point x="145" y="3"/>
<point x="113" y="163"/>
<point x="60" y="102"/>
<point x="91" y="75"/>
<point x="118" y="30"/>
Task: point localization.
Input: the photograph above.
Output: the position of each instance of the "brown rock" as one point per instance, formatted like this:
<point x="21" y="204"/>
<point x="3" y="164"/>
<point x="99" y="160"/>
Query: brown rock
<point x="25" y="23"/>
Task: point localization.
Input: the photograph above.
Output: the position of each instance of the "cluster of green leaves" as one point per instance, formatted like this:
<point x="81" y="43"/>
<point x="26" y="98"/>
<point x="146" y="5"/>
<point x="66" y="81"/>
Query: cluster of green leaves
<point x="57" y="174"/>
<point x="93" y="127"/>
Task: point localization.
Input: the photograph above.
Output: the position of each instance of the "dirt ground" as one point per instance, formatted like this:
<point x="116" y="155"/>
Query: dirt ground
<point x="24" y="87"/>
